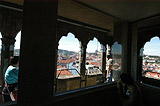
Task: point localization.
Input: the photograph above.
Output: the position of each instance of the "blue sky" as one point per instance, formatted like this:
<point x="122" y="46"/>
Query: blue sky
<point x="93" y="45"/>
<point x="72" y="44"/>
<point x="116" y="48"/>
<point x="69" y="42"/>
<point x="154" y="43"/>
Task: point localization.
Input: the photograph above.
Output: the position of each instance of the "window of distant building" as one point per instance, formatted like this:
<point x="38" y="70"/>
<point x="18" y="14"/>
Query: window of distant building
<point x="114" y="62"/>
<point x="93" y="61"/>
<point x="151" y="59"/>
<point x="68" y="64"/>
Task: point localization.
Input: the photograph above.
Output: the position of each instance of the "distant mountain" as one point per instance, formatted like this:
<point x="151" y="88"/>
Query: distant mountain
<point x="66" y="52"/>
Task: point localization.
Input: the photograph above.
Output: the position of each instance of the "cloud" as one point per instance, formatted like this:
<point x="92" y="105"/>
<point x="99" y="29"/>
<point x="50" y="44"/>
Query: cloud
<point x="152" y="47"/>
<point x="93" y="45"/>
<point x="69" y="42"/>
<point x="18" y="40"/>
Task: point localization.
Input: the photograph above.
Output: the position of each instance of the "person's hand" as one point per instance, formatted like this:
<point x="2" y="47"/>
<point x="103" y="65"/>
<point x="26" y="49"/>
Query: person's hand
<point x="106" y="76"/>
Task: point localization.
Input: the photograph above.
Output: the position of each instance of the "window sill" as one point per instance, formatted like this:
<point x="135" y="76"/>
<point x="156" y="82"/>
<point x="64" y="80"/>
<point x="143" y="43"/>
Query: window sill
<point x="74" y="93"/>
<point x="150" y="81"/>
<point x="9" y="104"/>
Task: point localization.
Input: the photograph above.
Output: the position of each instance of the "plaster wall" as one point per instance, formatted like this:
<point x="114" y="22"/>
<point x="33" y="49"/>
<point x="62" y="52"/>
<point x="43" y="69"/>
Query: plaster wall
<point x="75" y="11"/>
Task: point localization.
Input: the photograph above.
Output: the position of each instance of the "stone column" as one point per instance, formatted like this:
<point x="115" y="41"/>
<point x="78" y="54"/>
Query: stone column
<point x="84" y="59"/>
<point x="10" y="26"/>
<point x="134" y="52"/>
<point x="38" y="52"/>
<point x="55" y="72"/>
<point x="108" y="50"/>
<point x="6" y="52"/>
<point x="80" y="56"/>
<point x="139" y="63"/>
<point x="82" y="63"/>
<point x="103" y="60"/>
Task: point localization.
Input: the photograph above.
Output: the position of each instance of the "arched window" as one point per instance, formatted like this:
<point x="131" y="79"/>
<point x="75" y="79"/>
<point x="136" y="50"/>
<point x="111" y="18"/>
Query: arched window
<point x="151" y="59"/>
<point x="93" y="57"/>
<point x="114" y="62"/>
<point x="67" y="63"/>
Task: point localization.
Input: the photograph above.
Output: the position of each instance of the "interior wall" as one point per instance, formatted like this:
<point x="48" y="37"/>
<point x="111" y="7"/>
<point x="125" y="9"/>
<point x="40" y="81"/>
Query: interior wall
<point x="121" y="35"/>
<point x="134" y="52"/>
<point x="151" y="94"/>
<point x="37" y="53"/>
<point x="75" y="11"/>
<point x="103" y="97"/>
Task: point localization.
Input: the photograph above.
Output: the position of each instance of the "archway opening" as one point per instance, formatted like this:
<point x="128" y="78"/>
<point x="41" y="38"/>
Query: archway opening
<point x="114" y="62"/>
<point x="151" y="59"/>
<point x="67" y="63"/>
<point x="93" y="57"/>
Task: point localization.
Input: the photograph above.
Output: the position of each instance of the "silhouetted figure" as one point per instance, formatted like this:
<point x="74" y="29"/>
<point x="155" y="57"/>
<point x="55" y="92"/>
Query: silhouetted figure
<point x="129" y="92"/>
<point x="109" y="69"/>
<point x="11" y="79"/>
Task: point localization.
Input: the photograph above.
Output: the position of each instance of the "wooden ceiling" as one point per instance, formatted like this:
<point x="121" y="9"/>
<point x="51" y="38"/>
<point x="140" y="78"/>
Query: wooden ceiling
<point x="128" y="10"/>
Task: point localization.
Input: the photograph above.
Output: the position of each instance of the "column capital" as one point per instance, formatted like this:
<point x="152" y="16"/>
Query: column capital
<point x="84" y="45"/>
<point x="8" y="40"/>
<point x="11" y="25"/>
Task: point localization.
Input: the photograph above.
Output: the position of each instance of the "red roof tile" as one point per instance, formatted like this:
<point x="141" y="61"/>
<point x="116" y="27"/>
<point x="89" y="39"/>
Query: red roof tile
<point x="66" y="61"/>
<point x="59" y="66"/>
<point x="64" y="72"/>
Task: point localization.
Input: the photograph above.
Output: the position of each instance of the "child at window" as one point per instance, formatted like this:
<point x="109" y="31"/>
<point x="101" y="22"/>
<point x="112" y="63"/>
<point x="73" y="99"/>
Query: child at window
<point x="11" y="79"/>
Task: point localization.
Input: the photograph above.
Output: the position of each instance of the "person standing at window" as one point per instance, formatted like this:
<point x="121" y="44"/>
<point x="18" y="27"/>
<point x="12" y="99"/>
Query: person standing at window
<point x="109" y="69"/>
<point x="11" y="79"/>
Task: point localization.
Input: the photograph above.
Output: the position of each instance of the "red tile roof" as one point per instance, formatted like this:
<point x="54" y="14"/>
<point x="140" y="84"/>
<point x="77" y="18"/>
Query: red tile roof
<point x="66" y="61"/>
<point x="64" y="72"/>
<point x="59" y="66"/>
<point x="152" y="74"/>
<point x="94" y="63"/>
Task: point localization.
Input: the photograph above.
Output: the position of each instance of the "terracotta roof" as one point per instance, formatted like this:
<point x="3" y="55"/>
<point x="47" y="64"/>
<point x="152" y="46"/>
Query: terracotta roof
<point x="59" y="66"/>
<point x="66" y="61"/>
<point x="152" y="74"/>
<point x="64" y="72"/>
<point x="94" y="63"/>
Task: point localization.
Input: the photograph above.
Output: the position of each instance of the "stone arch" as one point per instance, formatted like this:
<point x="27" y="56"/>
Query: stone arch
<point x="116" y="51"/>
<point x="65" y="33"/>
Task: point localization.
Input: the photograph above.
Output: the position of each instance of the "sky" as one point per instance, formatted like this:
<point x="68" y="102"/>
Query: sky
<point x="116" y="48"/>
<point x="71" y="43"/>
<point x="154" y="43"/>
<point x="18" y="38"/>
<point x="93" y="45"/>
